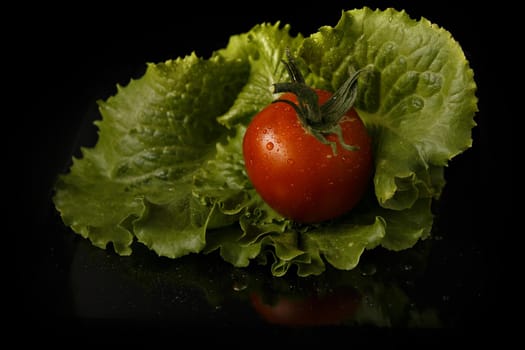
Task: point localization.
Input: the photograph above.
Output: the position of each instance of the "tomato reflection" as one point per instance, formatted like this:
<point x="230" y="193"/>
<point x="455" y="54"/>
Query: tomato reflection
<point x="313" y="310"/>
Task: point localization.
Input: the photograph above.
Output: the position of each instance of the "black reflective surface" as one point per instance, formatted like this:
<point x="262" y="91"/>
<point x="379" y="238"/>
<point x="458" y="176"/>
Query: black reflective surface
<point x="449" y="285"/>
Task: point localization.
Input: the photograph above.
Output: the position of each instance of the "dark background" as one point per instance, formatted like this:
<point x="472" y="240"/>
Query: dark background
<point x="63" y="59"/>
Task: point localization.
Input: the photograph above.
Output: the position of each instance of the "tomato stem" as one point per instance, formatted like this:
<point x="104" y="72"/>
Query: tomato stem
<point x="319" y="120"/>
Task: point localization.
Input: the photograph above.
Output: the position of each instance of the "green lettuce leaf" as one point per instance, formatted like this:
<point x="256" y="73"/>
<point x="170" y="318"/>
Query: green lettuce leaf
<point x="168" y="171"/>
<point x="154" y="134"/>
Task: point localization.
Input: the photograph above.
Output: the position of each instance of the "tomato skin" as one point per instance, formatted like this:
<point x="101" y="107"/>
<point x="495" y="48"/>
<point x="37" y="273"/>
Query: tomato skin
<point x="296" y="174"/>
<point x="311" y="310"/>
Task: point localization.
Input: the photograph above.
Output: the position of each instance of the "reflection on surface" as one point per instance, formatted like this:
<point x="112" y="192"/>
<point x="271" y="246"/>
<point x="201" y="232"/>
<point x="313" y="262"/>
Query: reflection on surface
<point x="311" y="309"/>
<point x="203" y="289"/>
<point x="376" y="293"/>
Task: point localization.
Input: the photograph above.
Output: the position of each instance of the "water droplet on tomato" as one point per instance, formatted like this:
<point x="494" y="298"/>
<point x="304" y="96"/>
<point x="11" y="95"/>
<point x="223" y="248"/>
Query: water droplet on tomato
<point x="265" y="131"/>
<point x="290" y="161"/>
<point x="269" y="146"/>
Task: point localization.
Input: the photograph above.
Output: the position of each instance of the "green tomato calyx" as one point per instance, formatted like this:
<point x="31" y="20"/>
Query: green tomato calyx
<point x="320" y="120"/>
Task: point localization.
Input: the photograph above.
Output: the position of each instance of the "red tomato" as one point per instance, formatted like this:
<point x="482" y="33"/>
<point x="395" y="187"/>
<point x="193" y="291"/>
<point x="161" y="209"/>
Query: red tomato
<point x="297" y="175"/>
<point x="308" y="311"/>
